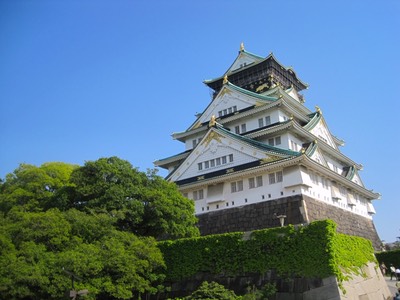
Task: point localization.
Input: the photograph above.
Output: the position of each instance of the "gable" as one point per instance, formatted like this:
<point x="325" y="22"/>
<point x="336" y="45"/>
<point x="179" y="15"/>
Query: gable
<point x="228" y="101"/>
<point x="321" y="131"/>
<point x="243" y="60"/>
<point x="219" y="151"/>
<point x="319" y="157"/>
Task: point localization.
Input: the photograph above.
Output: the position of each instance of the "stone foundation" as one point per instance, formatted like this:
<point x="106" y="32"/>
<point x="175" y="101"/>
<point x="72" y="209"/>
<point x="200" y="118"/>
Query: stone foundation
<point x="299" y="209"/>
<point x="372" y="286"/>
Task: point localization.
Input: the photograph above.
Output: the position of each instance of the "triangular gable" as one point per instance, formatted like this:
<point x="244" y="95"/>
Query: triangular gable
<point x="317" y="126"/>
<point x="220" y="150"/>
<point x="315" y="154"/>
<point x="229" y="100"/>
<point x="352" y="174"/>
<point x="244" y="59"/>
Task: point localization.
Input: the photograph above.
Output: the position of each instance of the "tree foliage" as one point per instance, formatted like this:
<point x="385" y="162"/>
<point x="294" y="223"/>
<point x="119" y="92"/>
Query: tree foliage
<point x="37" y="248"/>
<point x="100" y="222"/>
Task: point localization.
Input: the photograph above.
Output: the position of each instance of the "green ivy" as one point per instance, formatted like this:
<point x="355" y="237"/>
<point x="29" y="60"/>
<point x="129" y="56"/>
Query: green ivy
<point x="314" y="251"/>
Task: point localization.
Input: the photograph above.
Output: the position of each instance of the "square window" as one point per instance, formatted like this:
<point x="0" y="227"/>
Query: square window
<point x="200" y="166"/>
<point x="234" y="108"/>
<point x="230" y="157"/>
<point x="201" y="194"/>
<point x="237" y="129"/>
<point x="260" y="122"/>
<point x="278" y="140"/>
<point x="220" y="113"/>
<point x="218" y="161"/>
<point x="267" y="120"/>
<point x="212" y="163"/>
<point x="230" y="110"/>
<point x="271" y="142"/>
<point x="206" y="164"/>
<point x="223" y="160"/>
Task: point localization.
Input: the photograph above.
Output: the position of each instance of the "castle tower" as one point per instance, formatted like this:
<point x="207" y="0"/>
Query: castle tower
<point x="257" y="157"/>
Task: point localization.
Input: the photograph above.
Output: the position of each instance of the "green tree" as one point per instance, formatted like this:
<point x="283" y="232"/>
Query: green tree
<point x="36" y="249"/>
<point x="212" y="290"/>
<point x="35" y="188"/>
<point x="142" y="203"/>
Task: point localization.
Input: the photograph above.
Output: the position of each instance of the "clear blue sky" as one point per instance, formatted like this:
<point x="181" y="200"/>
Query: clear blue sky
<point x="80" y="80"/>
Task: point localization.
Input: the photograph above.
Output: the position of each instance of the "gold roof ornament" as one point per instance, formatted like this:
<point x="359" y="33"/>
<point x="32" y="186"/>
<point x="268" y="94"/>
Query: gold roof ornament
<point x="241" y="46"/>
<point x="225" y="79"/>
<point x="212" y="121"/>
<point x="318" y="109"/>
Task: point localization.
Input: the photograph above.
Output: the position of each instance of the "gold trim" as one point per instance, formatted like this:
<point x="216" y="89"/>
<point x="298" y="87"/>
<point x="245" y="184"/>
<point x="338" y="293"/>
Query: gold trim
<point x="269" y="159"/>
<point x="212" y="136"/>
<point x="231" y="170"/>
<point x="200" y="178"/>
<point x="225" y="81"/>
<point x="241" y="46"/>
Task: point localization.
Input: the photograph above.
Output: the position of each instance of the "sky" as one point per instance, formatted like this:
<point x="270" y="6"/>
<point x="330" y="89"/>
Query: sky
<point x="81" y="80"/>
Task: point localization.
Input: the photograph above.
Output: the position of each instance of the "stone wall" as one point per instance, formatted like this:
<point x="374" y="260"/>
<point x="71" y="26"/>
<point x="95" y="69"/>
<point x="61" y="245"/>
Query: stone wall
<point x="299" y="209"/>
<point x="370" y="286"/>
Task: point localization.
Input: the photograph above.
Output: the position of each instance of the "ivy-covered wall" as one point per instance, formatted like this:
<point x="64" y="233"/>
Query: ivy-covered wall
<point x="313" y="251"/>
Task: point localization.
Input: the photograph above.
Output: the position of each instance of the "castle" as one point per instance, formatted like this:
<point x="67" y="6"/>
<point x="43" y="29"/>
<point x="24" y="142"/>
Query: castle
<point x="257" y="157"/>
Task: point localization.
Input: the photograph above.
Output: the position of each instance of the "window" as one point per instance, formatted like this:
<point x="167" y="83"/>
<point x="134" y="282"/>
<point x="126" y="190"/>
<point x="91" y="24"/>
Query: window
<point x="233" y="187"/>
<point x="236" y="186"/>
<point x="279" y="176"/>
<point x="194" y="143"/>
<point x="197" y="195"/>
<point x="240" y="185"/>
<point x="237" y="129"/>
<point x="234" y="108"/>
<point x="267" y="120"/>
<point x="206" y="164"/>
<point x="271" y="142"/>
<point x="212" y="163"/>
<point x="271" y="178"/>
<point x="278" y="140"/>
<point x="223" y="160"/>
<point x="230" y="157"/>
<point x="229" y="110"/>
<point x="252" y="184"/>
<point x="200" y="166"/>
<point x="259" y="181"/>
<point x="260" y="122"/>
<point x="243" y="127"/>
<point x="220" y="113"/>
<point x="255" y="182"/>
<point x="218" y="161"/>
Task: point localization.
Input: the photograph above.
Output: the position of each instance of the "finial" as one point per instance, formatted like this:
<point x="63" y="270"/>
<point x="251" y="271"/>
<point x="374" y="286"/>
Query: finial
<point x="225" y="79"/>
<point x="212" y="121"/>
<point x="318" y="109"/>
<point x="241" y="46"/>
<point x="291" y="117"/>
<point x="303" y="150"/>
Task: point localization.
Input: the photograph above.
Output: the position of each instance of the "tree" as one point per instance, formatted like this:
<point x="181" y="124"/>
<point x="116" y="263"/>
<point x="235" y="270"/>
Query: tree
<point x="37" y="247"/>
<point x="142" y="203"/>
<point x="212" y="290"/>
<point x="35" y="188"/>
